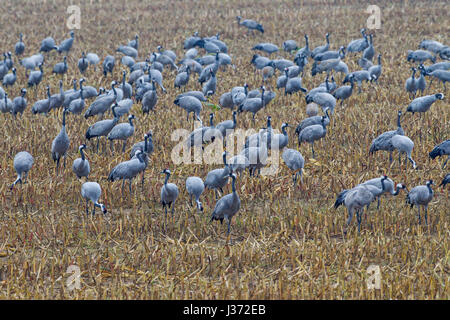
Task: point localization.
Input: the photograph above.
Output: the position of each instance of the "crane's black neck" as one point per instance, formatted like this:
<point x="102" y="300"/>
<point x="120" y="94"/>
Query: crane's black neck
<point x="233" y="184"/>
<point x="82" y="154"/>
<point x="130" y="121"/>
<point x="167" y="177"/>
<point x="283" y="130"/>
<point x="145" y="144"/>
<point x="398" y="121"/>
<point x="429" y="188"/>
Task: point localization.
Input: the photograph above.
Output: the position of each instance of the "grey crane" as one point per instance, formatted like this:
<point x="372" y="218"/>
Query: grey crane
<point x="2" y="93"/>
<point x="66" y="45"/>
<point x="421" y="83"/>
<point x="19" y="47"/>
<point x="227" y="206"/>
<point x="218" y="178"/>
<point x="47" y="45"/>
<point x="8" y="60"/>
<point x="29" y="63"/>
<point x="164" y="60"/>
<point x="19" y="103"/>
<point x="93" y="59"/>
<point x="23" y="161"/>
<point x="256" y="139"/>
<point x="294" y="161"/>
<point x="281" y="64"/>
<point x="168" y="53"/>
<point x="369" y="52"/>
<point x="182" y="78"/>
<point x="436" y="66"/>
<point x="126" y="87"/>
<point x="267" y="72"/>
<point x="146" y="146"/>
<point x="250" y="24"/>
<point x="6" y="105"/>
<point x="420" y="56"/>
<point x="128" y="51"/>
<point x="278" y="141"/>
<point x="330" y="55"/>
<point x="238" y="163"/>
<point x="226" y="100"/>
<point x="123" y="106"/>
<point x="257" y="155"/>
<point x="193" y="65"/>
<point x="205" y="74"/>
<point x="253" y="105"/>
<point x="10" y="78"/>
<point x="4" y="69"/>
<point x="313" y="133"/>
<point x="77" y="105"/>
<point x="169" y="194"/>
<point x="359" y="76"/>
<point x="42" y="106"/>
<point x="442" y="75"/>
<point x="81" y="166"/>
<point x="88" y="91"/>
<point x="108" y="64"/>
<point x="225" y="127"/>
<point x="304" y="51"/>
<point x="60" y="67"/>
<point x="91" y="191"/>
<point x="195" y="187"/>
<point x="149" y="99"/>
<point x="191" y="54"/>
<point x="190" y="104"/>
<point x="445" y="181"/>
<point x="341" y="67"/>
<point x="444" y="53"/>
<point x="312" y="121"/>
<point x="282" y="80"/>
<point x="375" y="71"/>
<point x="312" y="109"/>
<point x="290" y="45"/>
<point x="203" y="134"/>
<point x="431" y="45"/>
<point x="360" y="44"/>
<point x="102" y="127"/>
<point x="266" y="47"/>
<point x="421" y="196"/>
<point x="128" y="169"/>
<point x="71" y="94"/>
<point x="61" y="143"/>
<point x="294" y="85"/>
<point x="324" y="66"/>
<point x="122" y="131"/>
<point x="83" y="63"/>
<point x="134" y="43"/>
<point x="344" y="92"/>
<point x="322" y="48"/>
<point x="260" y="62"/>
<point x="191" y="41"/>
<point x="128" y="61"/>
<point x="423" y="104"/>
<point x="35" y="77"/>
<point x="57" y="99"/>
<point x="365" y="63"/>
<point x="102" y="103"/>
<point x="384" y="140"/>
<point x="388" y="187"/>
<point x="440" y="150"/>
<point x="239" y="94"/>
<point x="323" y="99"/>
<point x="404" y="145"/>
<point x="411" y="85"/>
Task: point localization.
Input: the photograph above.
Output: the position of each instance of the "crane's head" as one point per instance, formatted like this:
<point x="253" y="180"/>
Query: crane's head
<point x="430" y="182"/>
<point x="165" y="171"/>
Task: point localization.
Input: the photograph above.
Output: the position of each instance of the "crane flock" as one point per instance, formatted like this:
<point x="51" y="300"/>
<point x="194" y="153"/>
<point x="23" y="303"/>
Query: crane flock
<point x="141" y="88"/>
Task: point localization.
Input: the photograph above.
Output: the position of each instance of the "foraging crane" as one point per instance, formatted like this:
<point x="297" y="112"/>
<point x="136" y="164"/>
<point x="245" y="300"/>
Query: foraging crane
<point x="344" y="92"/>
<point x="266" y="47"/>
<point x="60" y="67"/>
<point x="169" y="194"/>
<point x="420" y="56"/>
<point x="122" y="131"/>
<point x="190" y="104"/>
<point x="250" y="24"/>
<point x="23" y="161"/>
<point x="441" y="149"/>
<point x="19" y="103"/>
<point x="102" y="103"/>
<point x="294" y="161"/>
<point x="253" y="105"/>
<point x="209" y="88"/>
<point x="102" y="127"/>
<point x="91" y="191"/>
<point x="404" y="145"/>
<point x="81" y="166"/>
<point x="61" y="143"/>
<point x="445" y="181"/>
<point x="42" y="106"/>
<point x="195" y="187"/>
<point x="93" y="59"/>
<point x="421" y="196"/>
<point x="227" y="206"/>
<point x="47" y="45"/>
<point x="128" y="169"/>
<point x="290" y="45"/>
<point x="423" y="104"/>
<point x="312" y="121"/>
<point x="108" y="64"/>
<point x="375" y="71"/>
<point x="10" y="78"/>
<point x="383" y="141"/>
<point x="358" y="76"/>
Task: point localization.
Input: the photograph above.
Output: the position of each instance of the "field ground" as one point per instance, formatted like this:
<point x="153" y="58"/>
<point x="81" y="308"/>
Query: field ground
<point x="288" y="242"/>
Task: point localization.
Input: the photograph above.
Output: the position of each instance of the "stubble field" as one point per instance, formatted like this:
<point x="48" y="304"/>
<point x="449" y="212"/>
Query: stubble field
<point x="288" y="242"/>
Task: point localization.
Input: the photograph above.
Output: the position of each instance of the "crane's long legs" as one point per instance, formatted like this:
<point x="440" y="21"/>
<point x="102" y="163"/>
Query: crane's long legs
<point x="312" y="148"/>
<point x="129" y="185"/>
<point x="443" y="166"/>
<point x="418" y="210"/>
<point x="426" y="213"/>
<point x="124" y="145"/>
<point x="87" y="207"/>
